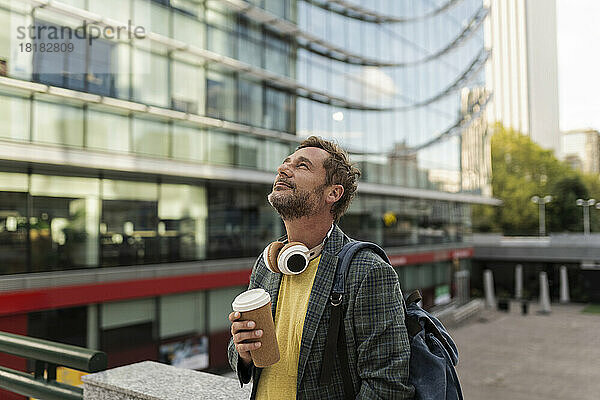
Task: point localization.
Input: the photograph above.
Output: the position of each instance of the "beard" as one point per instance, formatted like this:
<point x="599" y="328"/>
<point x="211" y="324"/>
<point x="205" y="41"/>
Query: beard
<point x="296" y="203"/>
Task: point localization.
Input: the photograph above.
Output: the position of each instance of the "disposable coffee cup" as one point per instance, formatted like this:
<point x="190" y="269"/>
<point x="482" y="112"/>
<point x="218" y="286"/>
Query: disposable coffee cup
<point x="255" y="305"/>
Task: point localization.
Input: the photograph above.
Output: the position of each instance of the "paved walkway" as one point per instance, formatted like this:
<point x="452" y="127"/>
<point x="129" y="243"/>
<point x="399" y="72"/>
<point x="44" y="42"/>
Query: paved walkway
<point x="530" y="357"/>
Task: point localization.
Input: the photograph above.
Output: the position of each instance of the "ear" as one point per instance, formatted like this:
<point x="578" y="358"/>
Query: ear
<point x="334" y="193"/>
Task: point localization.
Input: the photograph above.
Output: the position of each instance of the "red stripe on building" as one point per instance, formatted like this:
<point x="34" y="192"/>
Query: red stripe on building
<point x="69" y="296"/>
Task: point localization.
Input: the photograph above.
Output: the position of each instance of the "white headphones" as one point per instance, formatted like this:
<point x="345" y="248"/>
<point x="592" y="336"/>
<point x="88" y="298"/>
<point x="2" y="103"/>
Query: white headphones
<point x="291" y="258"/>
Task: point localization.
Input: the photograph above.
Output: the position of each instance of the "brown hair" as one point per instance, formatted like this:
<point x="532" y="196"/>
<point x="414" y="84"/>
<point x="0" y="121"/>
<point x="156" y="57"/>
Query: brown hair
<point x="339" y="171"/>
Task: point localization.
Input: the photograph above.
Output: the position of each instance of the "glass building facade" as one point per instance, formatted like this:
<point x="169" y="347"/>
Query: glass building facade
<point x="160" y="149"/>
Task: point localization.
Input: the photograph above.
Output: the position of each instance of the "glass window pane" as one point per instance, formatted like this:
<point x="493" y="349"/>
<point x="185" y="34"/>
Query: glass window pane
<point x="188" y="87"/>
<point x="442" y="273"/>
<point x="13" y="223"/>
<point x="115" y="190"/>
<point x="188" y="29"/>
<point x="149" y="83"/>
<point x="276" y="7"/>
<point x="5" y="36"/>
<point x="129" y="223"/>
<point x="48" y="185"/>
<point x="150" y="137"/>
<point x="250" y="101"/>
<point x="115" y="9"/>
<point x="221" y="147"/>
<point x="64" y="325"/>
<point x="240" y="214"/>
<point x="182" y="211"/>
<point x="220" y="95"/>
<point x="18" y="64"/>
<point x="278" y="110"/>
<point x="57" y="124"/>
<point x="64" y="222"/>
<point x="107" y="131"/>
<point x="219" y="300"/>
<point x="428" y="275"/>
<point x="152" y="16"/>
<point x="181" y="314"/>
<point x="277" y="56"/>
<point x="102" y="61"/>
<point x="50" y="67"/>
<point x="249" y="151"/>
<point x="14" y="182"/>
<point x="220" y="40"/>
<point x="129" y="344"/>
<point x="189" y="143"/>
<point x="250" y="45"/>
<point x="410" y="278"/>
<point x="275" y="153"/>
<point x="14" y="114"/>
<point x="122" y="313"/>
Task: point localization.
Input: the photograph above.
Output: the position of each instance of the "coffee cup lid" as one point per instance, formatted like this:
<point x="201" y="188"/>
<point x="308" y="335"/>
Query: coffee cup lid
<point x="250" y="300"/>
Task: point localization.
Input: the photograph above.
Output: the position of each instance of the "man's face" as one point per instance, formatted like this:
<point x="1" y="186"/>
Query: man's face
<point x="298" y="190"/>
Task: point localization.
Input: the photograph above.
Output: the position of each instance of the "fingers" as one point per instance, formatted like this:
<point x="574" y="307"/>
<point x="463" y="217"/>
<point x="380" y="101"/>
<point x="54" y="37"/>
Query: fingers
<point x="234" y="316"/>
<point x="241" y="326"/>
<point x="247" y="335"/>
<point x="246" y="347"/>
<point x="243" y="332"/>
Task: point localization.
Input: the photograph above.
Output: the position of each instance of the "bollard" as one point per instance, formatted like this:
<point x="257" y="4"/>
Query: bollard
<point x="524" y="307"/>
<point x="488" y="288"/>
<point x="544" y="294"/>
<point x="564" y="285"/>
<point x="518" y="281"/>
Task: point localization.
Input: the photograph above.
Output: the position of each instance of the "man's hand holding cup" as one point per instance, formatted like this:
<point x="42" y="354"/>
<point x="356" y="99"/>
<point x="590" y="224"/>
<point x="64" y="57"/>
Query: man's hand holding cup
<point x="244" y="336"/>
<point x="253" y="329"/>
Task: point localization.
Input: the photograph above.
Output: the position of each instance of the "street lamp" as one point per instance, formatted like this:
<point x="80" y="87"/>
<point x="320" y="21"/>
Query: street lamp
<point x="541" y="202"/>
<point x="586" y="204"/>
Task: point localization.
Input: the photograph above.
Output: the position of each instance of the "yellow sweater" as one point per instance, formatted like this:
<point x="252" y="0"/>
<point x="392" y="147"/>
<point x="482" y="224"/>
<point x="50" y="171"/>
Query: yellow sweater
<point x="278" y="381"/>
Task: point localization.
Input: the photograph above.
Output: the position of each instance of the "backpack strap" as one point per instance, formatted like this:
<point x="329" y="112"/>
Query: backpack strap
<point x="412" y="324"/>
<point x="414" y="297"/>
<point x="336" y="337"/>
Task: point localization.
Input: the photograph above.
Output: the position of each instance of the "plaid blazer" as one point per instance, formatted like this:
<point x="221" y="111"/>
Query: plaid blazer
<point x="377" y="340"/>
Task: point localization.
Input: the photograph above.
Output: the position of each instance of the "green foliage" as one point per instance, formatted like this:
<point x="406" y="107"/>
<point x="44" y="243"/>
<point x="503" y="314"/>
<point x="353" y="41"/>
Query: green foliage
<point x="522" y="169"/>
<point x="564" y="215"/>
<point x="592" y="309"/>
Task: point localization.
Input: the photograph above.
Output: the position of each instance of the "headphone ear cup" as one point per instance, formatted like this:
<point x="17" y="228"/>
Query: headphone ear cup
<point x="281" y="262"/>
<point x="270" y="255"/>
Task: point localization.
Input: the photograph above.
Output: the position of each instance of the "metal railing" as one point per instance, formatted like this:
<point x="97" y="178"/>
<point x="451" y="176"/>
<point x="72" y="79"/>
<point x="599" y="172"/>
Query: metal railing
<point x="47" y="356"/>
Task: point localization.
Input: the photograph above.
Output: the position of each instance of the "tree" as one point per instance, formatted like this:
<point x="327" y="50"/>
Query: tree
<point x="522" y="169"/>
<point x="565" y="215"/>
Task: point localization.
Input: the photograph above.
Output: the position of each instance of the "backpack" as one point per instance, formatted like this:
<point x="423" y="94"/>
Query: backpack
<point x="433" y="353"/>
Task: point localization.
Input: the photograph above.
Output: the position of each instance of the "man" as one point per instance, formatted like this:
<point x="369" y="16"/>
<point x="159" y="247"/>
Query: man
<point x="313" y="188"/>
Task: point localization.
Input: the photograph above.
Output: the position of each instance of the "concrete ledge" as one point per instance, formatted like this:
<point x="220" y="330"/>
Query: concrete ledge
<point x="468" y="310"/>
<point x="454" y="315"/>
<point x="149" y="380"/>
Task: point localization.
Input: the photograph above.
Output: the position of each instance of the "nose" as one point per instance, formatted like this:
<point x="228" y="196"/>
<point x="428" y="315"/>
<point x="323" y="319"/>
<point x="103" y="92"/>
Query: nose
<point x="284" y="170"/>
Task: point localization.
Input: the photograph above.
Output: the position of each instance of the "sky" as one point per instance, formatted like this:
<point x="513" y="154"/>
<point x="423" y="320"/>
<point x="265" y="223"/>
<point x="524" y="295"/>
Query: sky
<point x="578" y="44"/>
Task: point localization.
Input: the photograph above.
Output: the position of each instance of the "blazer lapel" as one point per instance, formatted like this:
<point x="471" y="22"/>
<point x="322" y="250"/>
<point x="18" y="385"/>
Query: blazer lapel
<point x="319" y="297"/>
